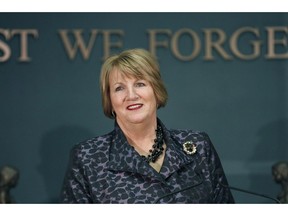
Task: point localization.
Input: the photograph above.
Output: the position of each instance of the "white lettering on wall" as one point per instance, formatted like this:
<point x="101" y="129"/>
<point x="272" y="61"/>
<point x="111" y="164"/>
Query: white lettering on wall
<point x="209" y="44"/>
<point x="10" y="34"/>
<point x="85" y="48"/>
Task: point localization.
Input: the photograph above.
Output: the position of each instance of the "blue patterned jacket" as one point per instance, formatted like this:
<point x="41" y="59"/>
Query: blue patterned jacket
<point x="106" y="169"/>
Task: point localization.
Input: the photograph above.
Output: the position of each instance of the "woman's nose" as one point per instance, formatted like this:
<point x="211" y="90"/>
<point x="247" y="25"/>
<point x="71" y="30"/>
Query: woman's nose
<point x="132" y="94"/>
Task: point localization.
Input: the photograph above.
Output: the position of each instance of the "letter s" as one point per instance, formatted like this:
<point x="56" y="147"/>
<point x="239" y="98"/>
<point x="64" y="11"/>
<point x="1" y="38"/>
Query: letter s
<point x="5" y="51"/>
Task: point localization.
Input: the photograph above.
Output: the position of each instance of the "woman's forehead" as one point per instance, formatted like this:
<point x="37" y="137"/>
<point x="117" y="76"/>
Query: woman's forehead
<point x="117" y="74"/>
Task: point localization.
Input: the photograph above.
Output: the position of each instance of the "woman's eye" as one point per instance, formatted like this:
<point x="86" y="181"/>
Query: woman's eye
<point x="119" y="88"/>
<point x="140" y="84"/>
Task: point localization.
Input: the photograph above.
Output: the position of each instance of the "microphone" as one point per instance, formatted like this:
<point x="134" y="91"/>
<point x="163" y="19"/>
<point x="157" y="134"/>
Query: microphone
<point x="223" y="185"/>
<point x="250" y="192"/>
<point x="219" y="172"/>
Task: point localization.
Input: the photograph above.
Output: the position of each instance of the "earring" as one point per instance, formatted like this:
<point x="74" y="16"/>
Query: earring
<point x="113" y="114"/>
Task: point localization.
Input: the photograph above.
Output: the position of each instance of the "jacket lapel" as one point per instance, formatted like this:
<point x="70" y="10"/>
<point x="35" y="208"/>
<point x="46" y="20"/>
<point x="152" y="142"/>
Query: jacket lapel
<point x="175" y="156"/>
<point x="124" y="158"/>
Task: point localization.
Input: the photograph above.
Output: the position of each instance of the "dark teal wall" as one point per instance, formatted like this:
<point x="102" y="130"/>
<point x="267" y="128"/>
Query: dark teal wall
<point x="52" y="102"/>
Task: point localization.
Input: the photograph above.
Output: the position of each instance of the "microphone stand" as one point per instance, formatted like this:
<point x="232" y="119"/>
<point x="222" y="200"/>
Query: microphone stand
<point x="250" y="192"/>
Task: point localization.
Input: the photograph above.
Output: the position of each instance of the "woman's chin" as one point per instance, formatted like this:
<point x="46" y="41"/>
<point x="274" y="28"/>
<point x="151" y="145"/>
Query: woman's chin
<point x="138" y="119"/>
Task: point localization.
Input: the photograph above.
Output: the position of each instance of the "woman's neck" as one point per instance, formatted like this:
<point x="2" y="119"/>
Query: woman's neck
<point x="141" y="136"/>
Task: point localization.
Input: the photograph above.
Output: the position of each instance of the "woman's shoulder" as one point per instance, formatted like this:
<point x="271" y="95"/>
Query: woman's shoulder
<point x="194" y="135"/>
<point x="94" y="144"/>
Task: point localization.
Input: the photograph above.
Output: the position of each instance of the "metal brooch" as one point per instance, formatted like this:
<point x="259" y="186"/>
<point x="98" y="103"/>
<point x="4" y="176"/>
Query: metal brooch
<point x="189" y="147"/>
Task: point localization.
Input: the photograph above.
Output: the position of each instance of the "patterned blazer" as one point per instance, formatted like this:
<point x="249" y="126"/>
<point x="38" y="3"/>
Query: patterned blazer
<point x="107" y="169"/>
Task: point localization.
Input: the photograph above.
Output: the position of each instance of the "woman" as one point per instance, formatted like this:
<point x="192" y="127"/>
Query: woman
<point x="141" y="161"/>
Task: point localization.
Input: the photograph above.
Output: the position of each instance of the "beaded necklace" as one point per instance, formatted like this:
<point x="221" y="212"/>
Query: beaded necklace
<point x="157" y="147"/>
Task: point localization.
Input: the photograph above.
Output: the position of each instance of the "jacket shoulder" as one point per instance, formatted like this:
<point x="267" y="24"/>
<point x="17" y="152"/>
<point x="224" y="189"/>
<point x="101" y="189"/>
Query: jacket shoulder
<point x="95" y="142"/>
<point x="93" y="148"/>
<point x="189" y="135"/>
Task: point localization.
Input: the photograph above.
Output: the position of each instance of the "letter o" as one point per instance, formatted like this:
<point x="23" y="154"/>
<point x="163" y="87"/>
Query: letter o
<point x="175" y="41"/>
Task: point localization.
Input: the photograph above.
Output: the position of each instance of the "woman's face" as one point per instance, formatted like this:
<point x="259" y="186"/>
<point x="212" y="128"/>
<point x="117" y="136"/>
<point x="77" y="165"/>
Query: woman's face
<point x="132" y="100"/>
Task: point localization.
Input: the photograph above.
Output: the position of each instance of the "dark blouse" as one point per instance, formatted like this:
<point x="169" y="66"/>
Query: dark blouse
<point x="106" y="169"/>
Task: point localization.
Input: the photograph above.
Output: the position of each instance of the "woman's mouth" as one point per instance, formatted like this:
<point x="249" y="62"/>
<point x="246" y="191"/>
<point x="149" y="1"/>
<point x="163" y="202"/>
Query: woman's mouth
<point x="134" y="106"/>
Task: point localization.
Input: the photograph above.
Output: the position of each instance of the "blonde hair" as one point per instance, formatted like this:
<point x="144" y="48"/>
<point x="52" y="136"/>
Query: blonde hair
<point x="137" y="63"/>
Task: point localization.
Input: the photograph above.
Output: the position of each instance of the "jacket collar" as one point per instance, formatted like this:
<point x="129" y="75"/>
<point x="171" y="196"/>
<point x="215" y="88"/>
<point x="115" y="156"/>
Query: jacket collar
<point x="123" y="157"/>
<point x="175" y="156"/>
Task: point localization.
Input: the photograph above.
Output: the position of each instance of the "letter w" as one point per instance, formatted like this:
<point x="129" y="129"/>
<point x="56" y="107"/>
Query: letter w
<point x="78" y="43"/>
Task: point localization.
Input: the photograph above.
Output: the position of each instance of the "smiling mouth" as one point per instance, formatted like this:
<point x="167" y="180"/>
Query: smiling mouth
<point x="134" y="106"/>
